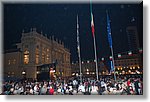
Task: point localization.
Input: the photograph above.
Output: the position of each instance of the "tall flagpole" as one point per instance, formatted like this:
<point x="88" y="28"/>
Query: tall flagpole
<point x="110" y="43"/>
<point x="113" y="63"/>
<point x="93" y="32"/>
<point x="96" y="58"/>
<point x="78" y="47"/>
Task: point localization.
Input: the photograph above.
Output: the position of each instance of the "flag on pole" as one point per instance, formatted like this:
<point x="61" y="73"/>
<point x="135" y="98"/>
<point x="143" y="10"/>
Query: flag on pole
<point x="109" y="31"/>
<point x="110" y="44"/>
<point x="93" y="31"/>
<point x="78" y="46"/>
<point x="92" y="24"/>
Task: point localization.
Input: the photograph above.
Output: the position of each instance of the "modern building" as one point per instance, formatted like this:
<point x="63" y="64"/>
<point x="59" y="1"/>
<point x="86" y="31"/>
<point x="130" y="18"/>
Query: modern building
<point x="124" y="65"/>
<point x="35" y="50"/>
<point x="129" y="64"/>
<point x="88" y="69"/>
<point x="133" y="39"/>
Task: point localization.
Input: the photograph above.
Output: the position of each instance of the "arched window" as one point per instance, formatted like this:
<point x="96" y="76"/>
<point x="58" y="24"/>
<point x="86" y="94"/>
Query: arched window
<point x="37" y="56"/>
<point x="43" y="55"/>
<point x="26" y="57"/>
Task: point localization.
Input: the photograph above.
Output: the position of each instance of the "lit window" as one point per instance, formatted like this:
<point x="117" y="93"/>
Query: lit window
<point x="26" y="57"/>
<point x="37" y="56"/>
<point x="129" y="71"/>
<point x="37" y="59"/>
<point x="43" y="57"/>
<point x="8" y="62"/>
<point x="47" y="58"/>
<point x="14" y="61"/>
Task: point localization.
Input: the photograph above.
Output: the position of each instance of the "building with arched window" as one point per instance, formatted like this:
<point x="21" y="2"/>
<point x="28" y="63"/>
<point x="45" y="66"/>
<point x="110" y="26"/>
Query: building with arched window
<point x="35" y="50"/>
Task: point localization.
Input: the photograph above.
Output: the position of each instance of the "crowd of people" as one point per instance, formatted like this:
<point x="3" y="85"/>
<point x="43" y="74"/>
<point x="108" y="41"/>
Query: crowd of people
<point x="73" y="86"/>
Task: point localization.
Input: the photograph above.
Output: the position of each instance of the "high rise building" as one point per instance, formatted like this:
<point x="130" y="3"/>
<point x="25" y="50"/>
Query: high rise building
<point x="133" y="39"/>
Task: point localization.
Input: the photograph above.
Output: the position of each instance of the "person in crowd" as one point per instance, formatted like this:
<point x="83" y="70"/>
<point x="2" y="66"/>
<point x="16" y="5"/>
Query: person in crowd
<point x="71" y="86"/>
<point x="51" y="90"/>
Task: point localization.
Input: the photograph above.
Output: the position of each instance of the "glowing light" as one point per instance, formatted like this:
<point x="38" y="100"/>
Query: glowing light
<point x="119" y="55"/>
<point x="137" y="72"/>
<point x="37" y="72"/>
<point x="23" y="72"/>
<point x="140" y="50"/>
<point x="129" y="53"/>
<point x="110" y="57"/>
<point x="129" y="71"/>
<point x="102" y="59"/>
<point x="52" y="70"/>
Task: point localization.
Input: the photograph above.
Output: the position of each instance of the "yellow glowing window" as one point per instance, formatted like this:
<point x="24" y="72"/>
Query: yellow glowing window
<point x="26" y="57"/>
<point x="8" y="62"/>
<point x="37" y="56"/>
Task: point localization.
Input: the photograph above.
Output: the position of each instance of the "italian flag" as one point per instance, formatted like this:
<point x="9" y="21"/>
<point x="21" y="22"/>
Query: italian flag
<point x="92" y="24"/>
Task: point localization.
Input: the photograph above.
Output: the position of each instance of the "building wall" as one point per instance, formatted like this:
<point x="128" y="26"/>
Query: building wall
<point x="12" y="66"/>
<point x="129" y="64"/>
<point x="133" y="39"/>
<point x="38" y="49"/>
<point x="124" y="65"/>
<point x="88" y="68"/>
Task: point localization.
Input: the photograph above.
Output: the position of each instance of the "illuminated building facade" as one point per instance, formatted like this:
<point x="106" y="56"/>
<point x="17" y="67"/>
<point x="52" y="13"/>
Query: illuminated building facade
<point x="36" y="50"/>
<point x="12" y="63"/>
<point x="88" y="69"/>
<point x="129" y="64"/>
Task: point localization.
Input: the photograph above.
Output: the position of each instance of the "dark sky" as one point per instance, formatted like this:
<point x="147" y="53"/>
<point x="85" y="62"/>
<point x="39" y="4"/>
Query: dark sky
<point x="60" y="20"/>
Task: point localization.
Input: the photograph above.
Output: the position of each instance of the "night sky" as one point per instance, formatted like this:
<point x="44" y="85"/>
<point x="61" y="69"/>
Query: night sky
<point x="60" y="20"/>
